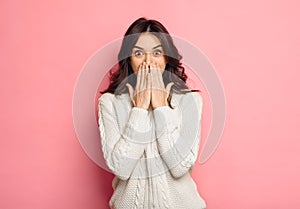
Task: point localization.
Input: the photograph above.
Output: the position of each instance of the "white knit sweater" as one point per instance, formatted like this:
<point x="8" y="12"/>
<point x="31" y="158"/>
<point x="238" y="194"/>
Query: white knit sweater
<point x="151" y="152"/>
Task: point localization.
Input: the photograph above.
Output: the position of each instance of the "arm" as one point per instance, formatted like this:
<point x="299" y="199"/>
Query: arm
<point x="122" y="149"/>
<point x="179" y="144"/>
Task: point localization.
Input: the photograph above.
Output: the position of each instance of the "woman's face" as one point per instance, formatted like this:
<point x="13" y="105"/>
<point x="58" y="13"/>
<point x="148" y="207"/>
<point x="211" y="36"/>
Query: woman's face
<point x="147" y="49"/>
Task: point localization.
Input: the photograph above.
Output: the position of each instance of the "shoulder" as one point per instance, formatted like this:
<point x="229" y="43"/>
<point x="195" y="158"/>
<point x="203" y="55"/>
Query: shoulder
<point x="110" y="100"/>
<point x="105" y="101"/>
<point x="105" y="97"/>
<point x="197" y="97"/>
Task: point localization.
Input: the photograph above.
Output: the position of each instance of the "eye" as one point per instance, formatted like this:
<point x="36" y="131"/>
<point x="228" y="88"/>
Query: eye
<point x="157" y="52"/>
<point x="138" y="53"/>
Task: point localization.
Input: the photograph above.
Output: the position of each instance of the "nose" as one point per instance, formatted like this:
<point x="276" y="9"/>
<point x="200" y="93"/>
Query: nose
<point x="148" y="57"/>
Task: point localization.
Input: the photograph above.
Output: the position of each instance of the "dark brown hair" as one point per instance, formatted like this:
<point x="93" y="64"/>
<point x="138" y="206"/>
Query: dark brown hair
<point x="174" y="71"/>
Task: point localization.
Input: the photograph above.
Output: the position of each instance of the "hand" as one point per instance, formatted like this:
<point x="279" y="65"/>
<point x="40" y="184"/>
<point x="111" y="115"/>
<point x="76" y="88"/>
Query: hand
<point x="141" y="95"/>
<point x="159" y="94"/>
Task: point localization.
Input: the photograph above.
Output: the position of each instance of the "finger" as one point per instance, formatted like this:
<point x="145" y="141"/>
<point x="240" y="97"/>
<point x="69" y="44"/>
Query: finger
<point x="156" y="79"/>
<point x="150" y="69"/>
<point x="160" y="75"/>
<point x="146" y="75"/>
<point x="151" y="66"/>
<point x="138" y="80"/>
<point x="130" y="89"/>
<point x="143" y="77"/>
<point x="149" y="81"/>
<point x="147" y="65"/>
<point x="151" y="77"/>
<point x="168" y="88"/>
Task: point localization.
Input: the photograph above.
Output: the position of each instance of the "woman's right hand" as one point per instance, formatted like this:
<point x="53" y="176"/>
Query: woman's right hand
<point x="141" y="95"/>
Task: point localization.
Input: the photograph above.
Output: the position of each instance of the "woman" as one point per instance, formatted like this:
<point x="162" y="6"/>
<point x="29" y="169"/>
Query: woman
<point x="149" y="123"/>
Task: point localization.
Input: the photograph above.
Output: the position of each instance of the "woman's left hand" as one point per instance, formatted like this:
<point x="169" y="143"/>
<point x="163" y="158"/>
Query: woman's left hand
<point x="159" y="93"/>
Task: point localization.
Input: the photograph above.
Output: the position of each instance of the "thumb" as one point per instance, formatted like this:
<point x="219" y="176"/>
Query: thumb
<point x="130" y="89"/>
<point x="168" y="87"/>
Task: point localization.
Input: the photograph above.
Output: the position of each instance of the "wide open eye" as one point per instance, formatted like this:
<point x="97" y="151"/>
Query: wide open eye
<point x="157" y="53"/>
<point x="138" y="53"/>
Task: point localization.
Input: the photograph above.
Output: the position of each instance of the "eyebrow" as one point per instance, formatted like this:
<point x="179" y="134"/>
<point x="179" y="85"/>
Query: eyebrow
<point x="152" y="48"/>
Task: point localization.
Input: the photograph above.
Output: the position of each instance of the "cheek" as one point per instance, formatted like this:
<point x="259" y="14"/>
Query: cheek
<point x="134" y="64"/>
<point x="161" y="62"/>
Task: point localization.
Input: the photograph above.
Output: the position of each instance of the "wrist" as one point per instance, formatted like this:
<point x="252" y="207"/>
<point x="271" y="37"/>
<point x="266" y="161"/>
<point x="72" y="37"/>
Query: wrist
<point x="141" y="107"/>
<point x="160" y="105"/>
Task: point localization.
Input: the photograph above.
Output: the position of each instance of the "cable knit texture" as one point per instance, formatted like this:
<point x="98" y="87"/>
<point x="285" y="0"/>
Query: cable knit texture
<point x="151" y="152"/>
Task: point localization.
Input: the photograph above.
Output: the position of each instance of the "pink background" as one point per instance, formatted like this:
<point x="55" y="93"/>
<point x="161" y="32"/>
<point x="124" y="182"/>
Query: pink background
<point x="254" y="46"/>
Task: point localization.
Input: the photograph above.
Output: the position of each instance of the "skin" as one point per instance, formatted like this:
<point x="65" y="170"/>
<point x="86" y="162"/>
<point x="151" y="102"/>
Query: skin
<point x="150" y="90"/>
<point x="147" y="42"/>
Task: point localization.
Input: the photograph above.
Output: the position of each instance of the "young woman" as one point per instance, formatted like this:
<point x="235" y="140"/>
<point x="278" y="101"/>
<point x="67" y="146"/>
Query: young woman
<point x="149" y="123"/>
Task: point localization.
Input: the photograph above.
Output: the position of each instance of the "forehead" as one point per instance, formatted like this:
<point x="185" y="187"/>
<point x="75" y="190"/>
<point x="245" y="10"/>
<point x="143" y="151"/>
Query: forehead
<point x="147" y="41"/>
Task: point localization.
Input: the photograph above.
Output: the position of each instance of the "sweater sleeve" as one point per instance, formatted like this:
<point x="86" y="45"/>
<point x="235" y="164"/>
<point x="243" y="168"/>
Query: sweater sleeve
<point x="122" y="149"/>
<point x="178" y="143"/>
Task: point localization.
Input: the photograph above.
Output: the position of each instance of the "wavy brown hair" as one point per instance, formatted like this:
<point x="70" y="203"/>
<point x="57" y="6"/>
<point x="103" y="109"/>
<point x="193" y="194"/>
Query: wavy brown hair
<point x="174" y="71"/>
